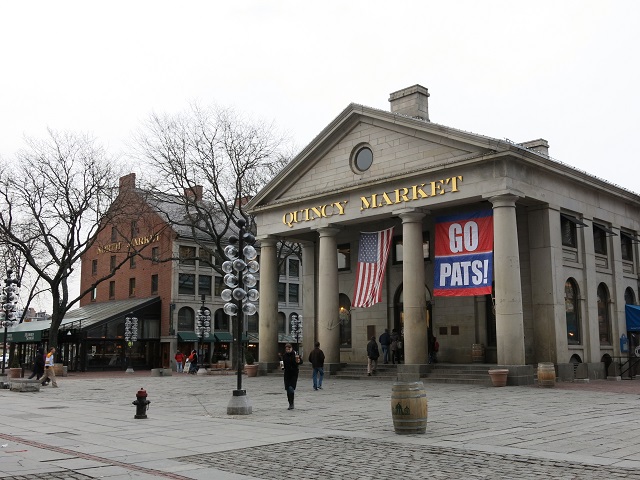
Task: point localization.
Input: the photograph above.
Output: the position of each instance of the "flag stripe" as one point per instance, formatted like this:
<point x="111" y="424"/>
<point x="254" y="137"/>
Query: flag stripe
<point x="373" y="253"/>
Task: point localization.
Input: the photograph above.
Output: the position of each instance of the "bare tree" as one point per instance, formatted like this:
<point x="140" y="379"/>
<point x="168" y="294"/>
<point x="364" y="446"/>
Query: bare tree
<point x="54" y="199"/>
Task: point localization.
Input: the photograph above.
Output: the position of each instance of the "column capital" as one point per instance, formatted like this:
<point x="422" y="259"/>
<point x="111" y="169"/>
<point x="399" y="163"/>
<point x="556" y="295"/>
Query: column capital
<point x="504" y="198"/>
<point x="267" y="241"/>
<point x="327" y="231"/>
<point x="410" y="216"/>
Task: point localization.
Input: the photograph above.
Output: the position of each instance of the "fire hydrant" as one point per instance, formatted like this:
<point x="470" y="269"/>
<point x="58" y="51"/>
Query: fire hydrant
<point x="141" y="403"/>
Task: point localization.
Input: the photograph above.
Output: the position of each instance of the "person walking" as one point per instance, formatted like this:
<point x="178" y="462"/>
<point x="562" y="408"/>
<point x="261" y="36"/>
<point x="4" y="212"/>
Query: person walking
<point x="395" y="358"/>
<point x="291" y="362"/>
<point x="372" y="355"/>
<point x="49" y="372"/>
<point x="316" y="358"/>
<point x="385" y="343"/>
<point x="179" y="361"/>
<point x="38" y="364"/>
<point x="193" y="359"/>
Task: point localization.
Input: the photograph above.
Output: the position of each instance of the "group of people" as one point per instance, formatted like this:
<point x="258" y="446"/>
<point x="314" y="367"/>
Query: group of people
<point x="392" y="346"/>
<point x="43" y="367"/>
<point x="190" y="362"/>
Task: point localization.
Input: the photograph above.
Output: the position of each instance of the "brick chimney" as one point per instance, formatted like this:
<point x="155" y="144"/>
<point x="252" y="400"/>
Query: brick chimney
<point x="540" y="145"/>
<point x="412" y="102"/>
<point x="128" y="182"/>
<point x="194" y="192"/>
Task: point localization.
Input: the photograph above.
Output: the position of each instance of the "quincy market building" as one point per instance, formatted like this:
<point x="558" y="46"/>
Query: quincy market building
<point x="563" y="262"/>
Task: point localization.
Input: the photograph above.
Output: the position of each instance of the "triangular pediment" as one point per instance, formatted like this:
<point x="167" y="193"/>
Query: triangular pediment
<point x="401" y="147"/>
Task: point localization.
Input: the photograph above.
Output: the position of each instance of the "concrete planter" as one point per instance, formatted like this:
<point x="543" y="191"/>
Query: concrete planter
<point x="252" y="370"/>
<point x="15" y="372"/>
<point x="499" y="377"/>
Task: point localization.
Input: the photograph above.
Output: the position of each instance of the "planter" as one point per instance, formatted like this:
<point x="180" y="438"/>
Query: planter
<point x="477" y="353"/>
<point x="409" y="407"/>
<point x="546" y="375"/>
<point x="252" y="370"/>
<point x="15" y="372"/>
<point x="499" y="377"/>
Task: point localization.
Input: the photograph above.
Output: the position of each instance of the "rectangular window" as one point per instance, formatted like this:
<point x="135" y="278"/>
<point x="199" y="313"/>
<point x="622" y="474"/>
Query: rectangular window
<point x="252" y="324"/>
<point x="282" y="267"/>
<point x="218" y="286"/>
<point x="344" y="257"/>
<point x="94" y="294"/>
<point x="112" y="263"/>
<point x="187" y="255"/>
<point x="568" y="226"/>
<point x="204" y="284"/>
<point x="154" y="284"/>
<point x="282" y="292"/>
<point x="112" y="289"/>
<point x="206" y="260"/>
<point x="186" y="284"/>
<point x="155" y="254"/>
<point x="132" y="262"/>
<point x="94" y="267"/>
<point x="398" y="252"/>
<point x="599" y="240"/>
<point x="114" y="234"/>
<point x="626" y="244"/>
<point x="134" y="228"/>
<point x="293" y="292"/>
<point x="132" y="287"/>
<point x="294" y="268"/>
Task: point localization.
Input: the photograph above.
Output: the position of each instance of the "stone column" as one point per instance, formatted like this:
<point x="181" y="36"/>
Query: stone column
<point x="508" y="290"/>
<point x="413" y="290"/>
<point x="328" y="325"/>
<point x="268" y="305"/>
<point x="308" y="297"/>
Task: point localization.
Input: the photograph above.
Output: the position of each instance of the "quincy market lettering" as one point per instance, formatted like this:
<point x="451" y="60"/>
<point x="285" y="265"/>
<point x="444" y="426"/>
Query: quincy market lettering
<point x="136" y="242"/>
<point x="376" y="200"/>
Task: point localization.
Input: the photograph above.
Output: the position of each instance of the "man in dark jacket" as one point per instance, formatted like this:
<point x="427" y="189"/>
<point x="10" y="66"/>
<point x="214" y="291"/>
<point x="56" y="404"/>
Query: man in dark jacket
<point x="372" y="354"/>
<point x="385" y="341"/>
<point x="316" y="358"/>
<point x="291" y="361"/>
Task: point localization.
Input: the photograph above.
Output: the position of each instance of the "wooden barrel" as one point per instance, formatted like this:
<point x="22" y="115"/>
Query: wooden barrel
<point x="477" y="353"/>
<point x="409" y="407"/>
<point x="546" y="375"/>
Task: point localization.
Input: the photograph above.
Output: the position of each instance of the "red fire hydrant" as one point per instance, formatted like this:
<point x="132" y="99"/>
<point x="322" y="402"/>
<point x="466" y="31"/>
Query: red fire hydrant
<point x="141" y="403"/>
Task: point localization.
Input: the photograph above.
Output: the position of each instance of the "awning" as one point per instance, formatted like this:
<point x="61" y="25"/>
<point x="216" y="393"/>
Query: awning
<point x="22" y="337"/>
<point x="223" y="337"/>
<point x="574" y="220"/>
<point x="632" y="312"/>
<point x="607" y="230"/>
<point x="192" y="337"/>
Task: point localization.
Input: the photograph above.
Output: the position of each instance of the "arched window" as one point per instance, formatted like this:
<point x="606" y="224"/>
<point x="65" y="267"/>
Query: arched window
<point x="186" y="320"/>
<point x="344" y="316"/>
<point x="604" y="324"/>
<point x="629" y="296"/>
<point x="282" y="323"/>
<point x="572" y="312"/>
<point x="220" y="321"/>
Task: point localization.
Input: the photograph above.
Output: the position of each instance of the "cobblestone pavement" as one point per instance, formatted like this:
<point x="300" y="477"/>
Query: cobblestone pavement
<point x="85" y="429"/>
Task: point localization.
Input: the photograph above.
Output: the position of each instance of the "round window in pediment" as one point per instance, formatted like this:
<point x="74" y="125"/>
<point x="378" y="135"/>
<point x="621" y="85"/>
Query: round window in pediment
<point x="363" y="159"/>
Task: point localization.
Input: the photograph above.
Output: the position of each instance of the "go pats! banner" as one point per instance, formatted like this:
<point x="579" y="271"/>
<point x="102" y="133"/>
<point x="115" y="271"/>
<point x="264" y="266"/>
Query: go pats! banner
<point x="464" y="254"/>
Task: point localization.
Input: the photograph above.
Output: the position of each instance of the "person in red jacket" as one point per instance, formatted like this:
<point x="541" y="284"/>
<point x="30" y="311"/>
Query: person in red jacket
<point x="179" y="361"/>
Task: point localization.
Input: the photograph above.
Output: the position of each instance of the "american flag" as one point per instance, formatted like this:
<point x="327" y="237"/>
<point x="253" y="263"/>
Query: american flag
<point x="372" y="263"/>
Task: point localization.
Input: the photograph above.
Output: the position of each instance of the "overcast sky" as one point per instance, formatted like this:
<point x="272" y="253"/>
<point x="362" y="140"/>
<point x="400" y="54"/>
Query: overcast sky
<point x="566" y="71"/>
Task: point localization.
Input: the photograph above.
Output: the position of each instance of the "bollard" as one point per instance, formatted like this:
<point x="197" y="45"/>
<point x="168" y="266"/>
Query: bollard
<point x="141" y="403"/>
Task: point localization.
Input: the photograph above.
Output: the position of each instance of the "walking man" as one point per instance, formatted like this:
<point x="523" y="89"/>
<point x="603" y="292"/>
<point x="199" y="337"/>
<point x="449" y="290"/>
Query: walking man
<point x="316" y="358"/>
<point x="385" y="341"/>
<point x="372" y="355"/>
<point x="49" y="372"/>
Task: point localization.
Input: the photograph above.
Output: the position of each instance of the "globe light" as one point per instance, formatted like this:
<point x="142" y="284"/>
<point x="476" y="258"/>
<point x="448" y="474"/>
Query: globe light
<point x="230" y="309"/>
<point x="226" y="295"/>
<point x="230" y="280"/>
<point x="239" y="294"/>
<point x="249" y="309"/>
<point x="249" y="280"/>
<point x="253" y="295"/>
<point x="253" y="266"/>
<point x="249" y="252"/>
<point x="239" y="265"/>
<point x="231" y="252"/>
<point x="227" y="267"/>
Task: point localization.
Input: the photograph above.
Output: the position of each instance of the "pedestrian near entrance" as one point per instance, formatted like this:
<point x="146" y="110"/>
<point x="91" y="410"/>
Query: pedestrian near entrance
<point x="291" y="361"/>
<point x="49" y="372"/>
<point x="395" y="357"/>
<point x="179" y="361"/>
<point x="385" y="343"/>
<point x="193" y="359"/>
<point x="316" y="358"/>
<point x="433" y="351"/>
<point x="372" y="355"/>
<point x="38" y="364"/>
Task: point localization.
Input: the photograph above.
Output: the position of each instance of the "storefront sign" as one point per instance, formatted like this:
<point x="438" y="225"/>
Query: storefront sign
<point x="136" y="242"/>
<point x="22" y="337"/>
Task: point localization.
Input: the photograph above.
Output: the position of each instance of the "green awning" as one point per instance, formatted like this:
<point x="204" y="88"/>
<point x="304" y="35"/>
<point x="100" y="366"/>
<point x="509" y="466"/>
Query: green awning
<point x="223" y="337"/>
<point x="192" y="337"/>
<point x="22" y="337"/>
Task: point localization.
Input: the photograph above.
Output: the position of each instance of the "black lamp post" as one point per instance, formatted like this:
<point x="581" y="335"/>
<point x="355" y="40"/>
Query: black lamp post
<point x="240" y="278"/>
<point x="9" y="301"/>
<point x="203" y="328"/>
<point x="296" y="329"/>
<point x="130" y="336"/>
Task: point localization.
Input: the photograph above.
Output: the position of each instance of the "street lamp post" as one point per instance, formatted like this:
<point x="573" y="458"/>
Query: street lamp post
<point x="130" y="336"/>
<point x="203" y="328"/>
<point x="240" y="278"/>
<point x="296" y="329"/>
<point x="9" y="301"/>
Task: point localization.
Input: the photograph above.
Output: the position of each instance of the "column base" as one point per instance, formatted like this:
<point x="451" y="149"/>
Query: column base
<point x="518" y="374"/>
<point x="202" y="371"/>
<point x="266" y="367"/>
<point x="412" y="372"/>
